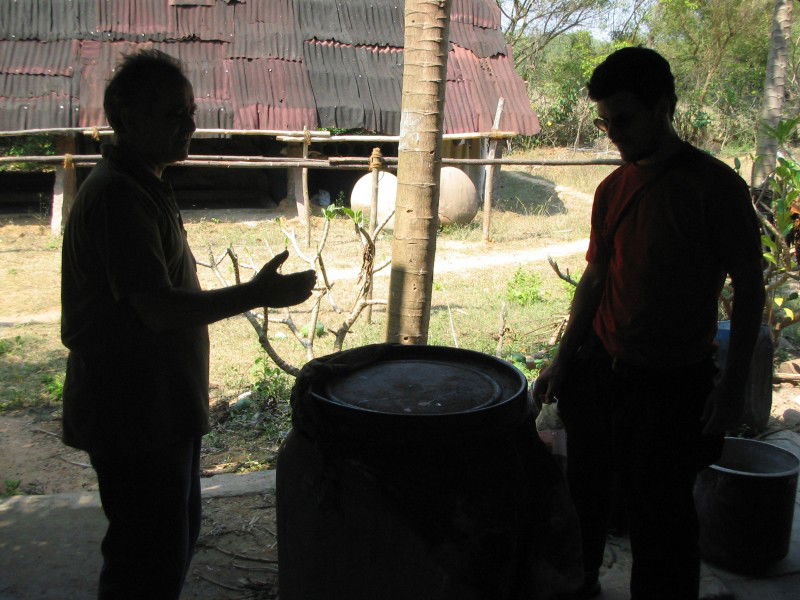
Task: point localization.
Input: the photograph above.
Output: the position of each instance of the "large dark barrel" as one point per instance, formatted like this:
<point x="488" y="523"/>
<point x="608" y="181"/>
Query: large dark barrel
<point x="416" y="472"/>
<point x="758" y="389"/>
<point x="745" y="504"/>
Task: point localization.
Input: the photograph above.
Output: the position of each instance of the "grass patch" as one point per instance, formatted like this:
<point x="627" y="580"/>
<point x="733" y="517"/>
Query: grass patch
<point x="530" y="211"/>
<point x="32" y="364"/>
<point x="583" y="179"/>
<point x="248" y="431"/>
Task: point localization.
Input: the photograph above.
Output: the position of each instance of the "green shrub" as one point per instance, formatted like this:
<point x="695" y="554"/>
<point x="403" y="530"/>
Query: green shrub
<point x="524" y="288"/>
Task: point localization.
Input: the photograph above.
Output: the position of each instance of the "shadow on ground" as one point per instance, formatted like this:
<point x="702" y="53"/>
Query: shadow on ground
<point x="527" y="194"/>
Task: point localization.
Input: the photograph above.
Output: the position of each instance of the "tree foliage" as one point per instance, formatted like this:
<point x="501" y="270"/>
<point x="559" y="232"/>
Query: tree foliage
<point x="717" y="48"/>
<point x="530" y="25"/>
<point x="718" y="51"/>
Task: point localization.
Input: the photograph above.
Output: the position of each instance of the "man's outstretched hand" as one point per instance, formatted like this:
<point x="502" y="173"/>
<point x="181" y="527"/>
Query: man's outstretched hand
<point x="277" y="290"/>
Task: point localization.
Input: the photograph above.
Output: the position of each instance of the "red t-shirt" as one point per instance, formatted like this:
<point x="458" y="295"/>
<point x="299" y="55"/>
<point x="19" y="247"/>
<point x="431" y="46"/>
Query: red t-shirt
<point x="669" y="233"/>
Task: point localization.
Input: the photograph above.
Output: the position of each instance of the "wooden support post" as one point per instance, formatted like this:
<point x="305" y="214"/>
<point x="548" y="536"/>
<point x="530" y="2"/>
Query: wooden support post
<point x="294" y="179"/>
<point x="376" y="165"/>
<point x="65" y="185"/>
<point x="489" y="182"/>
<point x="306" y="197"/>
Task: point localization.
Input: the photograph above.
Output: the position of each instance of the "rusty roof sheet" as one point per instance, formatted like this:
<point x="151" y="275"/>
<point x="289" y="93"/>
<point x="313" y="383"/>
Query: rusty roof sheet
<point x="266" y="30"/>
<point x="475" y="12"/>
<point x="482" y="42"/>
<point x="52" y="110"/>
<point x="205" y="22"/>
<point x="355" y="87"/>
<point x="270" y="64"/>
<point x="39" y="58"/>
<point x="265" y="40"/>
<point x="214" y="114"/>
<point x="22" y="85"/>
<point x="369" y="22"/>
<point x="271" y="93"/>
<point x="134" y="20"/>
<point x="473" y="88"/>
<point x="46" y="20"/>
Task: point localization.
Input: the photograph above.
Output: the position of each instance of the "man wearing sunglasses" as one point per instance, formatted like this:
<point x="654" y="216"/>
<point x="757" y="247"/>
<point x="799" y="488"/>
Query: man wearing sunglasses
<point x="634" y="377"/>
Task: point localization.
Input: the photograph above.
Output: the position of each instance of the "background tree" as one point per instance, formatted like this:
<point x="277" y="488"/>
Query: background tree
<point x="419" y="163"/>
<point x="717" y="48"/>
<point x="530" y="25"/>
<point x="774" y="91"/>
<point x="718" y="51"/>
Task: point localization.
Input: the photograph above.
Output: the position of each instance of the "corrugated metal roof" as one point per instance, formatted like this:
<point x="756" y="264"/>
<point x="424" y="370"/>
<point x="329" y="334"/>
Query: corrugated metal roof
<point x="475" y="12"/>
<point x="39" y="58"/>
<point x="355" y="87"/>
<point x="482" y="42"/>
<point x="271" y="64"/>
<point x="370" y="22"/>
<point x="272" y="94"/>
<point x="15" y="85"/>
<point x="266" y="30"/>
<point x="473" y="88"/>
<point x="214" y="114"/>
<point x="266" y="40"/>
<point x="205" y="22"/>
<point x="33" y="113"/>
<point x="135" y="20"/>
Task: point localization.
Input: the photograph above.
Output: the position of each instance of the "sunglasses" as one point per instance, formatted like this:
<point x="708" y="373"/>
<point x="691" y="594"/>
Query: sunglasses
<point x="619" y="122"/>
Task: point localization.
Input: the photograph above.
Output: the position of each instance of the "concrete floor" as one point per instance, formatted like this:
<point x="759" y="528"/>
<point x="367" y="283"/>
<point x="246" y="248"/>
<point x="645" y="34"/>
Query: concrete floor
<point x="49" y="546"/>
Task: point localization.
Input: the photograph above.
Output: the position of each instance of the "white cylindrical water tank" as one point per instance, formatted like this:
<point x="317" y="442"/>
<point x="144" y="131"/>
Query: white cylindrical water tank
<point x="361" y="196"/>
<point x="458" y="198"/>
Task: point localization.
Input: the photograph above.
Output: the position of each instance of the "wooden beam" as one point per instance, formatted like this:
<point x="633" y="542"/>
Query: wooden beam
<point x="488" y="184"/>
<point x="64" y="187"/>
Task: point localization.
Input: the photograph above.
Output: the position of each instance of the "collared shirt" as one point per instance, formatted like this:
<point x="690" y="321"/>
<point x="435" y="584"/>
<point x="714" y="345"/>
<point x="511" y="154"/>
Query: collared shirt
<point x="127" y="386"/>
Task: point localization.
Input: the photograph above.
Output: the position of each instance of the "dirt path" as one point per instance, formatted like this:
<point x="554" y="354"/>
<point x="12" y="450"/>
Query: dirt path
<point x="471" y="256"/>
<point x="50" y="316"/>
<point x="34" y="456"/>
<point x="450" y="257"/>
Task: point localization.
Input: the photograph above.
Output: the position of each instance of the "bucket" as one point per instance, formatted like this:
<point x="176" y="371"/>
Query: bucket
<point x="416" y="472"/>
<point x="745" y="505"/>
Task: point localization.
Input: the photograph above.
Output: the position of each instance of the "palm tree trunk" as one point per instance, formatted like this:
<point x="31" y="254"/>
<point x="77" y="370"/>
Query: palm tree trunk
<point x="774" y="90"/>
<point x="419" y="163"/>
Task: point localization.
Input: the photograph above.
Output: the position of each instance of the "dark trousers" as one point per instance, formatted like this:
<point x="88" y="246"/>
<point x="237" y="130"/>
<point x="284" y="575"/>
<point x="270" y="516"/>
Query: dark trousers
<point x="639" y="430"/>
<point x="152" y="502"/>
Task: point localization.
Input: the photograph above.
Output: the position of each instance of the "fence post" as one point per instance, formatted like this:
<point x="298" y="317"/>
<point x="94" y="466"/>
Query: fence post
<point x="376" y="165"/>
<point x="306" y="198"/>
<point x="64" y="187"/>
<point x="489" y="181"/>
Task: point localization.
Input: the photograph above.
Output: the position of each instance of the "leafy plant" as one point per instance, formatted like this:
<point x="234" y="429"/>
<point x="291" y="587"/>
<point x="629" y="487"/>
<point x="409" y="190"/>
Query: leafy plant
<point x="8" y="345"/>
<point x="524" y="288"/>
<point x="28" y="145"/>
<point x="12" y="488"/>
<point x="341" y="200"/>
<point x="54" y="386"/>
<point x="778" y="208"/>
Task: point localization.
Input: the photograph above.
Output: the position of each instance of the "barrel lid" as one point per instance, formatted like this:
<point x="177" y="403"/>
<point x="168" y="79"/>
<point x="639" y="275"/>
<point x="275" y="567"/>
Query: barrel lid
<point x="416" y="387"/>
<point x="396" y="394"/>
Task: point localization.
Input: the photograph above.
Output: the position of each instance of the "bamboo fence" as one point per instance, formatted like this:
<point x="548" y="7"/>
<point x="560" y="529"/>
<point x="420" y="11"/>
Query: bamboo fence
<point x="298" y="165"/>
